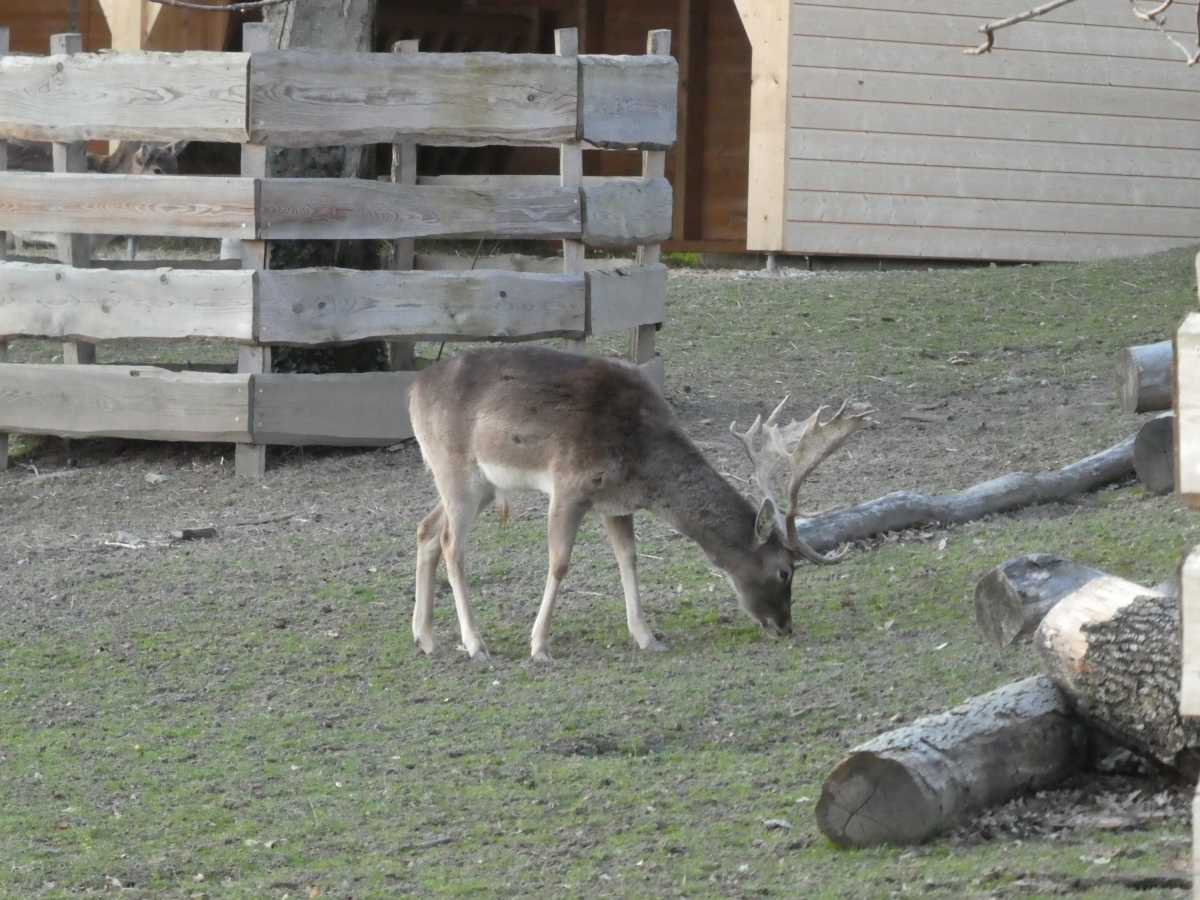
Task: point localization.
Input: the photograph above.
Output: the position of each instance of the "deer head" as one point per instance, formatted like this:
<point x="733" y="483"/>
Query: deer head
<point x="784" y="457"/>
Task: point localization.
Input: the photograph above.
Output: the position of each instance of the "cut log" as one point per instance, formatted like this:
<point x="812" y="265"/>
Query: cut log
<point x="1113" y="647"/>
<point x="1013" y="598"/>
<point x="907" y="785"/>
<point x="1154" y="454"/>
<point x="1144" y="376"/>
<point x="904" y="509"/>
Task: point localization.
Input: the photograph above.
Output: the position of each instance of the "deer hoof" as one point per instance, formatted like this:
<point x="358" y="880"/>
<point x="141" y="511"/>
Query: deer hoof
<point x="541" y="657"/>
<point x="424" y="643"/>
<point x="655" y="646"/>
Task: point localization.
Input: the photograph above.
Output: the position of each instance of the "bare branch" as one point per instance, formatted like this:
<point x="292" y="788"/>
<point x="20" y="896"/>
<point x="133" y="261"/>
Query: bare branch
<point x="216" y="7"/>
<point x="1150" y="15"/>
<point x="1155" y="17"/>
<point x="991" y="27"/>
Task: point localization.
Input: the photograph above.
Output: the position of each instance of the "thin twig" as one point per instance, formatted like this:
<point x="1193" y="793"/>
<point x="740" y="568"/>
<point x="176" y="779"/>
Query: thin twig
<point x="213" y="7"/>
<point x="269" y="521"/>
<point x="991" y="27"/>
<point x="1155" y="18"/>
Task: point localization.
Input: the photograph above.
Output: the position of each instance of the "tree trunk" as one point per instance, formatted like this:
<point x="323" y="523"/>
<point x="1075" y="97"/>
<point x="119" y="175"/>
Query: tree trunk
<point x="1114" y="648"/>
<point x="1144" y="375"/>
<point x="341" y="25"/>
<point x="1013" y="598"/>
<point x="909" y="784"/>
<point x="1154" y="454"/>
<point x="904" y="509"/>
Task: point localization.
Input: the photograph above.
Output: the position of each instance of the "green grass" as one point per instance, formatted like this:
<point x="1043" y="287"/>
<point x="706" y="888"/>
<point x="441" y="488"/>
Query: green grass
<point x="247" y="718"/>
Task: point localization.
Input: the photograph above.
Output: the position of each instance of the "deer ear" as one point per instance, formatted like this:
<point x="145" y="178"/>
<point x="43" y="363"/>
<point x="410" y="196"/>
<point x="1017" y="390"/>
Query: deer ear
<point x="764" y="522"/>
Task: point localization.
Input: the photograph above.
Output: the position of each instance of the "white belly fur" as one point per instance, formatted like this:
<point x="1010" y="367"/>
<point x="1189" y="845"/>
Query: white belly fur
<point x="509" y="478"/>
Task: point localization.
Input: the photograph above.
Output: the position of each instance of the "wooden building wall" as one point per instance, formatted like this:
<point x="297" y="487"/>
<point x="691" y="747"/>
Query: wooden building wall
<point x="1078" y="137"/>
<point x="30" y="23"/>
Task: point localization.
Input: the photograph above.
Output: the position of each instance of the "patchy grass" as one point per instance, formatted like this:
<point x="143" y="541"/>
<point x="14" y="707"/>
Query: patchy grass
<point x="246" y="717"/>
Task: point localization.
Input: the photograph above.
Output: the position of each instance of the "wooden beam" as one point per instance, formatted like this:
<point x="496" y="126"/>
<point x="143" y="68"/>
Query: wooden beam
<point x="124" y="401"/>
<point x="643" y="338"/>
<point x="570" y="174"/>
<point x="508" y="262"/>
<point x="301" y="98"/>
<point x="626" y="297"/>
<point x="343" y="410"/>
<point x="1187" y="411"/>
<point x="126" y="96"/>
<point x="768" y="24"/>
<point x="402" y="354"/>
<point x="180" y="206"/>
<point x="628" y="101"/>
<point x="321" y="306"/>
<point x="346" y="208"/>
<point x="4" y="38"/>
<point x="1189" y="606"/>
<point x="624" y="213"/>
<point x="55" y="301"/>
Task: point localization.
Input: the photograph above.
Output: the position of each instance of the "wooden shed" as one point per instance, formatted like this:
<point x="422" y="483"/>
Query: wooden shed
<point x="873" y="134"/>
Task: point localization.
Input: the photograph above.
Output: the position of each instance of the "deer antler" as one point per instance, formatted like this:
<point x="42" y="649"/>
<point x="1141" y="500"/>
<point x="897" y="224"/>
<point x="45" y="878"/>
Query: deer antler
<point x="795" y="450"/>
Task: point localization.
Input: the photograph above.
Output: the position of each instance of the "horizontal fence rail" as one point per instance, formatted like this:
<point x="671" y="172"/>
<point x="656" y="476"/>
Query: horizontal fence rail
<point x="602" y="214"/>
<point x="299" y="98"/>
<point x="323" y="306"/>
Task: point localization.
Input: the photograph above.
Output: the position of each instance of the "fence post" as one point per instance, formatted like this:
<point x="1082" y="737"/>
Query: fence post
<point x="654" y="165"/>
<point x="73" y="249"/>
<point x="570" y="174"/>
<point x="250" y="460"/>
<point x="3" y="248"/>
<point x="401" y="354"/>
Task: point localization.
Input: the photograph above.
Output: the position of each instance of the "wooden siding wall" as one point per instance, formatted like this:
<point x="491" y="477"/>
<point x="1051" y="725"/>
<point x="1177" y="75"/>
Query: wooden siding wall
<point x="1078" y="137"/>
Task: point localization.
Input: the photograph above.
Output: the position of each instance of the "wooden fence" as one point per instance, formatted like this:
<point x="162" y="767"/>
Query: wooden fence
<point x="297" y="99"/>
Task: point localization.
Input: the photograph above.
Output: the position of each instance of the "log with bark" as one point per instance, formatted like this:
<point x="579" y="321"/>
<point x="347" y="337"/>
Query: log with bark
<point x="907" y="785"/>
<point x="1113" y="647"/>
<point x="1154" y="454"/>
<point x="904" y="509"/>
<point x="1144" y="377"/>
<point x="1013" y="598"/>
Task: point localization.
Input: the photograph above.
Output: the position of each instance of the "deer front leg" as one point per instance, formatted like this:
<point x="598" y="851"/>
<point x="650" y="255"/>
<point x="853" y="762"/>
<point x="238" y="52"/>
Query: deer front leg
<point x="429" y="554"/>
<point x="563" y="523"/>
<point x="620" y="535"/>
<point x="459" y="514"/>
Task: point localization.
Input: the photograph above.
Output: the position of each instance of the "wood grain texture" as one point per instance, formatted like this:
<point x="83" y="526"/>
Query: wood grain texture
<point x="127" y="96"/>
<point x="317" y="306"/>
<point x="1187" y="410"/>
<point x="304" y="98"/>
<point x="507" y="262"/>
<point x="628" y="101"/>
<point x="337" y="410"/>
<point x="1189" y="610"/>
<point x="56" y="301"/>
<point x="124" y="401"/>
<point x="127" y="204"/>
<point x="342" y="208"/>
<point x="625" y="213"/>
<point x="626" y="297"/>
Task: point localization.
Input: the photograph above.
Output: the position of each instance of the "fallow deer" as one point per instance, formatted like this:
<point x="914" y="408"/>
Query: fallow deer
<point x="595" y="433"/>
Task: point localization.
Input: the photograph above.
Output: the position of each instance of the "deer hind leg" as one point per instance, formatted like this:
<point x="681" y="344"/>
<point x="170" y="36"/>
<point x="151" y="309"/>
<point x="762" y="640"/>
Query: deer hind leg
<point x="429" y="554"/>
<point x="620" y="535"/>
<point x="461" y="503"/>
<point x="562" y="524"/>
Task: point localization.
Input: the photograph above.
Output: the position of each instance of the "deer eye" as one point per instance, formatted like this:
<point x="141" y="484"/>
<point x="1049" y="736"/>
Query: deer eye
<point x="784" y="575"/>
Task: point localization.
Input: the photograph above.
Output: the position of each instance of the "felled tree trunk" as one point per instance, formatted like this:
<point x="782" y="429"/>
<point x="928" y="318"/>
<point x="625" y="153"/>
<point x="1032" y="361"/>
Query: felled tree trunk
<point x="909" y="784"/>
<point x="1154" y="454"/>
<point x="1144" y="377"/>
<point x="904" y="509"/>
<point x="1113" y="648"/>
<point x="1013" y="598"/>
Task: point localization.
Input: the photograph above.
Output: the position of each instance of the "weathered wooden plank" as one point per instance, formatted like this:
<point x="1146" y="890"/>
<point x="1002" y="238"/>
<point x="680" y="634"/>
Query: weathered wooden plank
<point x="57" y="301"/>
<point x="124" y="401"/>
<point x="303" y="98"/>
<point x="342" y="208"/>
<point x="965" y="243"/>
<point x="507" y="262"/>
<point x="1187" y="410"/>
<point x="628" y="101"/>
<point x="1189" y="609"/>
<point x="127" y="96"/>
<point x="970" y="212"/>
<point x="769" y="24"/>
<point x="514" y="181"/>
<point x="625" y="213"/>
<point x="339" y="410"/>
<point x="626" y="297"/>
<point x="318" y="306"/>
<point x="182" y="206"/>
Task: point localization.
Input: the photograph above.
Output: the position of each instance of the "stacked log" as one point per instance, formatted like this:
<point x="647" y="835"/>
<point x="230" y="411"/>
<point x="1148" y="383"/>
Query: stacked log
<point x="1144" y="377"/>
